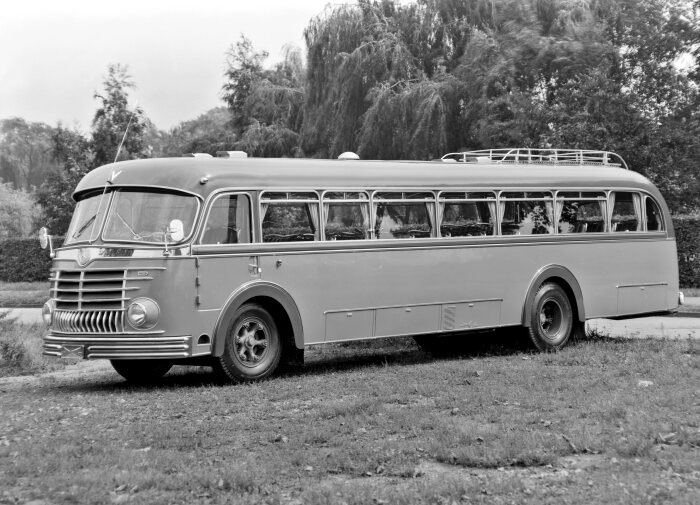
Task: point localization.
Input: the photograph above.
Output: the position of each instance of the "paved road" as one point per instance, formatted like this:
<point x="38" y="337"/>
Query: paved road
<point x="676" y="327"/>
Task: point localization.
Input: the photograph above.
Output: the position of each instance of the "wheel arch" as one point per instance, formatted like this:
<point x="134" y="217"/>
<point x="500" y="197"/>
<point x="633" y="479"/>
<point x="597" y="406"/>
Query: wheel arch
<point x="562" y="276"/>
<point x="274" y="299"/>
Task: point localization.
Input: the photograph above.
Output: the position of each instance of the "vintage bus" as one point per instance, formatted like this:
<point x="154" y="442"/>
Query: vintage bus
<point x="242" y="263"/>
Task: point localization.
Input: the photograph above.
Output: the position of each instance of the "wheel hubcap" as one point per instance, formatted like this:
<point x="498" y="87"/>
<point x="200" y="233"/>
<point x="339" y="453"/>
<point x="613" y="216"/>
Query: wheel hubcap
<point x="251" y="340"/>
<point x="552" y="320"/>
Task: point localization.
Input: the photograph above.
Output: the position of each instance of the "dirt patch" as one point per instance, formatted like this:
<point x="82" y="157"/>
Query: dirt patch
<point x="79" y="369"/>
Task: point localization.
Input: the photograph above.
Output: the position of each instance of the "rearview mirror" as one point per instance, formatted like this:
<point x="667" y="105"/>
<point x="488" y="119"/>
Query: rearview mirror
<point x="176" y="230"/>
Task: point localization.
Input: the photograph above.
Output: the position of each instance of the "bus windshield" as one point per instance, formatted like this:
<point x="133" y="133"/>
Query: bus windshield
<point x="145" y="216"/>
<point x="87" y="218"/>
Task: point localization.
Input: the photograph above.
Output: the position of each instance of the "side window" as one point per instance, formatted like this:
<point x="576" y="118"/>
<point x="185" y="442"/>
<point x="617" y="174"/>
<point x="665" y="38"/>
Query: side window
<point x="655" y="221"/>
<point x="346" y="215"/>
<point x="404" y="215"/>
<point x="467" y="214"/>
<point x="581" y="212"/>
<point x="290" y="217"/>
<point x="626" y="211"/>
<point x="228" y="221"/>
<point x="527" y="213"/>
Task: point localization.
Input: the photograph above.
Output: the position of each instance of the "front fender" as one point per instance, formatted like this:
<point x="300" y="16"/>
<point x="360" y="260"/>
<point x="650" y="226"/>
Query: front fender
<point x="257" y="289"/>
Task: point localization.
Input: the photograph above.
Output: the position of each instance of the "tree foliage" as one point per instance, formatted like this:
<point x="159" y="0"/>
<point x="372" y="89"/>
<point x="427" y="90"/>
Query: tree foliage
<point x="113" y="118"/>
<point x="25" y="152"/>
<point x="18" y="211"/>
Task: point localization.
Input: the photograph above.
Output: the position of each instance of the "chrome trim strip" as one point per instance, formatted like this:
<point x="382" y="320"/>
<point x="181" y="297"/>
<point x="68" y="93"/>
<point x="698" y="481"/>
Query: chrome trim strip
<point x="642" y="285"/>
<point x="400" y="306"/>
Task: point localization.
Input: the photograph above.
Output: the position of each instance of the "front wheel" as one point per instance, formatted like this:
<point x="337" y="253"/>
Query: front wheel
<point x="253" y="346"/>
<point x="141" y="371"/>
<point x="552" y="321"/>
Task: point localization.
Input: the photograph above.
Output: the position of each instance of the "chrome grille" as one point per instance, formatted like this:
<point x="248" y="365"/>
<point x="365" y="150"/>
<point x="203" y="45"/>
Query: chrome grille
<point x="93" y="321"/>
<point x="94" y="301"/>
<point x="90" y="289"/>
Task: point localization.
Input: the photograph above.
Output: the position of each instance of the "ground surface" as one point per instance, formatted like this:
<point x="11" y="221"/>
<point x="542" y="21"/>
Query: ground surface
<point x="604" y="421"/>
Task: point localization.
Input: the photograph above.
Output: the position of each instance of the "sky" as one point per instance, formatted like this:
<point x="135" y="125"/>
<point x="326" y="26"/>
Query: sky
<point x="54" y="53"/>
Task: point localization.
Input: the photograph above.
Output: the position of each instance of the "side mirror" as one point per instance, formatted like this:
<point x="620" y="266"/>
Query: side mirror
<point x="176" y="230"/>
<point x="45" y="240"/>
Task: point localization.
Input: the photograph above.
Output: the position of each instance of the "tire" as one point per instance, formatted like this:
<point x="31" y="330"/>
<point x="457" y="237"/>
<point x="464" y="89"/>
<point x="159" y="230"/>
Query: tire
<point x="141" y="371"/>
<point x="253" y="346"/>
<point x="552" y="320"/>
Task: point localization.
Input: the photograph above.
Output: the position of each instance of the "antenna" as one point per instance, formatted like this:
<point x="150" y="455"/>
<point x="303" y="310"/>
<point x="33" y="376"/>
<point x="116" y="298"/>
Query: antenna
<point x="111" y="179"/>
<point x="133" y="112"/>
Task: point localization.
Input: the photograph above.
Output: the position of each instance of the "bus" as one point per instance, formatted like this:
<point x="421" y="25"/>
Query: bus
<point x="241" y="263"/>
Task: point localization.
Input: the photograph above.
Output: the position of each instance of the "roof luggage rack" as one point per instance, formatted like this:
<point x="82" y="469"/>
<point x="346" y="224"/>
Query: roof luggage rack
<point x="539" y="157"/>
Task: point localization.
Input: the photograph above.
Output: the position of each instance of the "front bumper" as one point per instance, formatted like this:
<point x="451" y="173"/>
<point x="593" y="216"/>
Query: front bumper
<point x="126" y="346"/>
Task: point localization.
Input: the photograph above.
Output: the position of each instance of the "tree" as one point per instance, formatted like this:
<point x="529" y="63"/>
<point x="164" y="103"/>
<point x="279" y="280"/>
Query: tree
<point x="25" y="152"/>
<point x="113" y="119"/>
<point x="74" y="158"/>
<point x="18" y="211"/>
<point x="244" y="68"/>
<point x="208" y="133"/>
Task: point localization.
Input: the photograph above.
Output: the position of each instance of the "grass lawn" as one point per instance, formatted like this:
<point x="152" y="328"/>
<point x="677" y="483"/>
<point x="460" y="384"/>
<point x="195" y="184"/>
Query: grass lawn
<point x="23" y="294"/>
<point x="603" y="421"/>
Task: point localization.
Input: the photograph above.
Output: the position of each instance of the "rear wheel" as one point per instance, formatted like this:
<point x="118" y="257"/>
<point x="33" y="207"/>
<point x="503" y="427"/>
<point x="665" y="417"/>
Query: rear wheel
<point x="141" y="371"/>
<point x="253" y="346"/>
<point x="552" y="321"/>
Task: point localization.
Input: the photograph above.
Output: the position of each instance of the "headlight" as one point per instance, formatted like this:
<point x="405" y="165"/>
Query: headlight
<point x="142" y="313"/>
<point x="47" y="312"/>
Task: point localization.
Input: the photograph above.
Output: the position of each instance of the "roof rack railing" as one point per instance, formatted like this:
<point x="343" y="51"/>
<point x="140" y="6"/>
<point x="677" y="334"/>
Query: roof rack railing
<point x="541" y="156"/>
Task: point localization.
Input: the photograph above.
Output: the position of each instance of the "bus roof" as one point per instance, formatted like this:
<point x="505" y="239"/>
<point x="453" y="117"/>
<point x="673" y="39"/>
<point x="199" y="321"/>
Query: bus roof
<point x="186" y="174"/>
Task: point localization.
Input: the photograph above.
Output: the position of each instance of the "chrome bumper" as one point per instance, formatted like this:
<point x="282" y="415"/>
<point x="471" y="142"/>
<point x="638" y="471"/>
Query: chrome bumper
<point x="122" y="347"/>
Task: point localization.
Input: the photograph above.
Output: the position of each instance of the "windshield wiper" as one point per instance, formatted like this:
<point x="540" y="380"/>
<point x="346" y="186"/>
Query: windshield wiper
<point x="135" y="235"/>
<point x="84" y="226"/>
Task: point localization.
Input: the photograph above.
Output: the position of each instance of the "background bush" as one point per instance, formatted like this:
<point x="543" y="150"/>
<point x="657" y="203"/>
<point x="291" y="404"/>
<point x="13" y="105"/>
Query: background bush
<point x="688" y="239"/>
<point x="23" y="260"/>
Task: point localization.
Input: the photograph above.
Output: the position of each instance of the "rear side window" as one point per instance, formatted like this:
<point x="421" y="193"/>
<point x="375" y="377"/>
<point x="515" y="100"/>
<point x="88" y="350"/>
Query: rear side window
<point x="655" y="220"/>
<point x="470" y="214"/>
<point x="581" y="212"/>
<point x="228" y="221"/>
<point x="346" y="215"/>
<point x="404" y="215"/>
<point x="527" y="213"/>
<point x="626" y="211"/>
<point x="290" y="217"/>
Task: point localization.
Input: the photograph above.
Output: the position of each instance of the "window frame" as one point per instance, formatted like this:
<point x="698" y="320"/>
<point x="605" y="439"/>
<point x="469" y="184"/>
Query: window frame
<point x="149" y="189"/>
<point x="604" y="198"/>
<point x="374" y="202"/>
<point x="261" y="216"/>
<point x="645" y="197"/>
<point x="210" y="206"/>
<point x="368" y="201"/>
<point x="525" y="191"/>
<point x="438" y="212"/>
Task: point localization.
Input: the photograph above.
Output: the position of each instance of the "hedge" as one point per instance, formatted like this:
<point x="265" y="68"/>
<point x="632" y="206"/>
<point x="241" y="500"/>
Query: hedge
<point x="22" y="260"/>
<point x="688" y="240"/>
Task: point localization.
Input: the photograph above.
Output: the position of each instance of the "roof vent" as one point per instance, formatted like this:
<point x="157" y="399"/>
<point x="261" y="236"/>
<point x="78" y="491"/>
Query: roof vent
<point x="231" y="154"/>
<point x="348" y="155"/>
<point x="197" y="155"/>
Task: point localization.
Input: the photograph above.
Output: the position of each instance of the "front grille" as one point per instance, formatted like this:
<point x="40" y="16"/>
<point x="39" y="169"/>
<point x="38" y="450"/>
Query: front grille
<point x="93" y="321"/>
<point x="94" y="301"/>
<point x="91" y="289"/>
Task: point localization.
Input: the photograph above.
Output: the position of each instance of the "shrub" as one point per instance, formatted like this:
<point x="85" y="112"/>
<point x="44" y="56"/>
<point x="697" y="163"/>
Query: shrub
<point x="688" y="240"/>
<point x="23" y="260"/>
